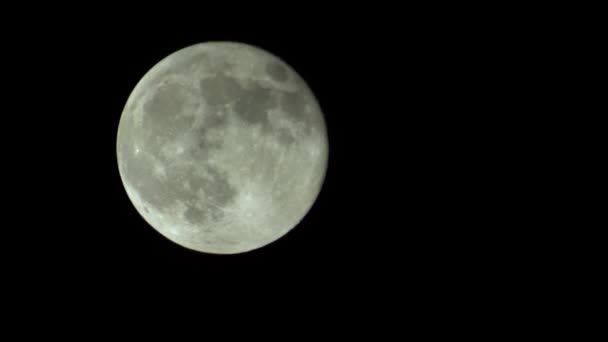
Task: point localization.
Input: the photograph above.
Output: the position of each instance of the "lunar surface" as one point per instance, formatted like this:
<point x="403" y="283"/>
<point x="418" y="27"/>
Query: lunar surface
<point x="222" y="147"/>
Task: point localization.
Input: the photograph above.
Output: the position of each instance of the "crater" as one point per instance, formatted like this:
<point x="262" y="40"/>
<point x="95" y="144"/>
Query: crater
<point x="219" y="89"/>
<point x="216" y="119"/>
<point x="294" y="105"/>
<point x="203" y="144"/>
<point x="168" y="103"/>
<point x="194" y="215"/>
<point x="285" y="137"/>
<point x="277" y="71"/>
<point x="253" y="104"/>
<point x="212" y="184"/>
<point x="219" y="187"/>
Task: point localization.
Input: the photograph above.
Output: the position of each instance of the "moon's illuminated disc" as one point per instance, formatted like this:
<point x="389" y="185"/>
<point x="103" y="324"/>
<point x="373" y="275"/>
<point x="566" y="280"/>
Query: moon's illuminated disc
<point x="222" y="147"/>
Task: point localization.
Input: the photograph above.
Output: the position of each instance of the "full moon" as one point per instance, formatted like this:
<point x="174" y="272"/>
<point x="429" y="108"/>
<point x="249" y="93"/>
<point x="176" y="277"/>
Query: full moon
<point x="222" y="147"/>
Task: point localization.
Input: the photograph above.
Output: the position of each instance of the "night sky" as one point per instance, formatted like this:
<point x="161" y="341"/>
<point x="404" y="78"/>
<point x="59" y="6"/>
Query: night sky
<point x="402" y="205"/>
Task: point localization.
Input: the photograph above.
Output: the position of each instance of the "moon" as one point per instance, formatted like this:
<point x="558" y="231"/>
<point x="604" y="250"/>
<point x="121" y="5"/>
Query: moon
<point x="222" y="147"/>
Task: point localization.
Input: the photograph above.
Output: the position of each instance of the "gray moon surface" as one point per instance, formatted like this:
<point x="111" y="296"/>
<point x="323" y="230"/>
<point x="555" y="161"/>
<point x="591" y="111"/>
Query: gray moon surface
<point x="222" y="147"/>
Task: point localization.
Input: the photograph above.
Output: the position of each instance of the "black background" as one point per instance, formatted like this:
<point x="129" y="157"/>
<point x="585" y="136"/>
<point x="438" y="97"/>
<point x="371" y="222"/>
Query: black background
<point x="406" y="202"/>
<point x="444" y="208"/>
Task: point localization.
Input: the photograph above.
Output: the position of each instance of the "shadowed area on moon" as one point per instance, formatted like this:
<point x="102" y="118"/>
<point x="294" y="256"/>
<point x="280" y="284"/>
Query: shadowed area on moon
<point x="277" y="71"/>
<point x="165" y="155"/>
